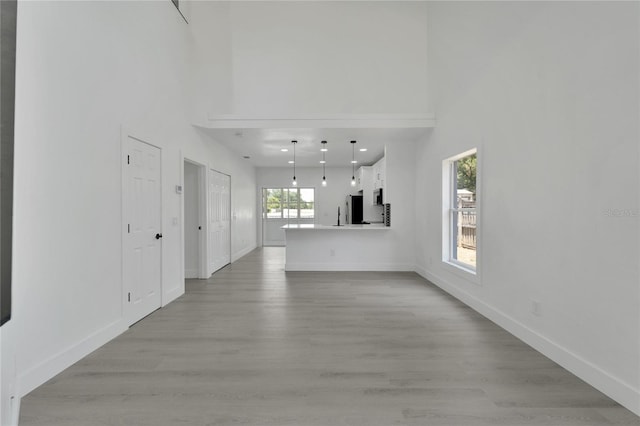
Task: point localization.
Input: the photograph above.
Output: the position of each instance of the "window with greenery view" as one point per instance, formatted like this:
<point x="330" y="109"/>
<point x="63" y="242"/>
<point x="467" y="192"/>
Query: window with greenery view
<point x="288" y="203"/>
<point x="462" y="197"/>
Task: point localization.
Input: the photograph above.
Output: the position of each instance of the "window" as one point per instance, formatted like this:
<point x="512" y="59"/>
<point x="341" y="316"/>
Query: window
<point x="306" y="206"/>
<point x="288" y="203"/>
<point x="460" y="198"/>
<point x="272" y="203"/>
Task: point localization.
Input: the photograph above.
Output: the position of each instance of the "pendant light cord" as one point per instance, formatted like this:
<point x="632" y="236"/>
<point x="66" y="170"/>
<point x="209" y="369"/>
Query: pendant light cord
<point x="353" y="162"/>
<point x="353" y="158"/>
<point x="294" y="162"/>
<point x="324" y="160"/>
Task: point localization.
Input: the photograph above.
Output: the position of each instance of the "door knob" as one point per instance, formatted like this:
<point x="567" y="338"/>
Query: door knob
<point x="158" y="236"/>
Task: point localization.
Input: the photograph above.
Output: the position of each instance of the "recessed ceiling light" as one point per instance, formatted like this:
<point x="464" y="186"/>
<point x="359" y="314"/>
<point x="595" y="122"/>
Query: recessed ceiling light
<point x="363" y="149"/>
<point x="324" y="149"/>
<point x="284" y="150"/>
<point x="322" y="161"/>
<point x="291" y="161"/>
<point x="354" y="161"/>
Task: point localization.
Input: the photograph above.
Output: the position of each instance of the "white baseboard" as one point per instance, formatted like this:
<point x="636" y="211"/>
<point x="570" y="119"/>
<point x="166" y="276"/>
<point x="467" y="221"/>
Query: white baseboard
<point x="349" y="267"/>
<point x="172" y="295"/>
<point x="270" y="243"/>
<point x="14" y="415"/>
<point x="44" y="371"/>
<point x="191" y="274"/>
<point x="611" y="386"/>
<point x="242" y="253"/>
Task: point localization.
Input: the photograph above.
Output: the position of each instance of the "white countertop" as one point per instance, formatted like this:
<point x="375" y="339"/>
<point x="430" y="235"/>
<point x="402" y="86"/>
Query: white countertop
<point x="311" y="226"/>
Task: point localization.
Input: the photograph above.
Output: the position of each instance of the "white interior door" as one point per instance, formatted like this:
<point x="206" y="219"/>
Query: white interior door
<point x="219" y="213"/>
<point x="143" y="234"/>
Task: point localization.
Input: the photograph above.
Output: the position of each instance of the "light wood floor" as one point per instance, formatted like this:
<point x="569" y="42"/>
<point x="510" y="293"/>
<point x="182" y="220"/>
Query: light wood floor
<point x="255" y="346"/>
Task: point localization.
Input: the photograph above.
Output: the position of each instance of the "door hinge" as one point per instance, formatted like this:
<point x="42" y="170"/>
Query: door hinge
<point x="128" y="228"/>
<point x="128" y="159"/>
<point x="129" y="297"/>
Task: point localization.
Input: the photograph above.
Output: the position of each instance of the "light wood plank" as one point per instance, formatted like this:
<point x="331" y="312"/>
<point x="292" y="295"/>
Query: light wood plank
<point x="254" y="345"/>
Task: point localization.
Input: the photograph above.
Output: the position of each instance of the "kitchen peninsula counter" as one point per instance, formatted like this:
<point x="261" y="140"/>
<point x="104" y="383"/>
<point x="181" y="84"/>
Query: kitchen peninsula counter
<point x="312" y="247"/>
<point x="312" y="226"/>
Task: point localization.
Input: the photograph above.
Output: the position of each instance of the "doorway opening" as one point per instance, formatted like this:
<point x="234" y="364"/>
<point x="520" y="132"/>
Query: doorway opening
<point x="195" y="265"/>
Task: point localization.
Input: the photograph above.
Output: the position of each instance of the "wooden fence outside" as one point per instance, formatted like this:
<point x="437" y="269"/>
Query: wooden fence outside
<point x="467" y="225"/>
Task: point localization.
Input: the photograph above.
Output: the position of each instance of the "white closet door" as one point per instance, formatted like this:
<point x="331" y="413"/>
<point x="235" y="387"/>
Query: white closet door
<point x="142" y="242"/>
<point x="219" y="213"/>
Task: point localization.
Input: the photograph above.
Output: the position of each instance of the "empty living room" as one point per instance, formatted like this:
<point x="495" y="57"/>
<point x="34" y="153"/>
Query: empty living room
<point x="319" y="213"/>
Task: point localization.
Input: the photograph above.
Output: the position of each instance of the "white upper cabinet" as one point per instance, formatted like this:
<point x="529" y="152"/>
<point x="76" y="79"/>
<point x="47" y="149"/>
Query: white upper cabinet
<point x="379" y="171"/>
<point x="375" y="176"/>
<point x="360" y="176"/>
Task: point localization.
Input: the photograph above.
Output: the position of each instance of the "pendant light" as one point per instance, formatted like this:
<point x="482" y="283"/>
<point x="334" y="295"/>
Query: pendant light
<point x="324" y="161"/>
<point x="353" y="163"/>
<point x="295" y="182"/>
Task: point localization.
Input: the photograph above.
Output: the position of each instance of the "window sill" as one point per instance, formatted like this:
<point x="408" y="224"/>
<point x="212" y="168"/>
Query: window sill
<point x="462" y="271"/>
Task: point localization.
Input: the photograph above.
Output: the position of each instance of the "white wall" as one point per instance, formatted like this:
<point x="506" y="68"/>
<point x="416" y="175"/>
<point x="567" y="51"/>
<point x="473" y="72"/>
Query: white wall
<point x="312" y="57"/>
<point x="400" y="185"/>
<point x="212" y="65"/>
<point x="549" y="93"/>
<point x="84" y="71"/>
<point x="192" y="208"/>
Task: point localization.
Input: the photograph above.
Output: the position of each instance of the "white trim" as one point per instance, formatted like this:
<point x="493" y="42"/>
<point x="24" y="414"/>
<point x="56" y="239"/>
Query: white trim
<point x="172" y="295"/>
<point x="124" y="133"/>
<point x="479" y="211"/>
<point x="362" y="267"/>
<point x="181" y="236"/>
<point x="15" y="397"/>
<point x="201" y="272"/>
<point x="469" y="273"/>
<point x="274" y="243"/>
<point x="611" y="386"/>
<point x="208" y="259"/>
<point x="242" y="253"/>
<point x="191" y="274"/>
<point x="15" y="410"/>
<point x="460" y="269"/>
<point x="349" y="121"/>
<point x="53" y="365"/>
<point x="260" y="218"/>
<point x="288" y="219"/>
<point x="202" y="181"/>
<point x="232" y="219"/>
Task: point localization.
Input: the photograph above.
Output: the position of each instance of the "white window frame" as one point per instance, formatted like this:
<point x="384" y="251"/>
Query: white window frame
<point x="264" y="204"/>
<point x="449" y="180"/>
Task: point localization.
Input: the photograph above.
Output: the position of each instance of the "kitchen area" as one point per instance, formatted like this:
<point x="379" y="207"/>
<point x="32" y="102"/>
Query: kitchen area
<point x="376" y="211"/>
<point x="355" y="237"/>
<point x="367" y="205"/>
